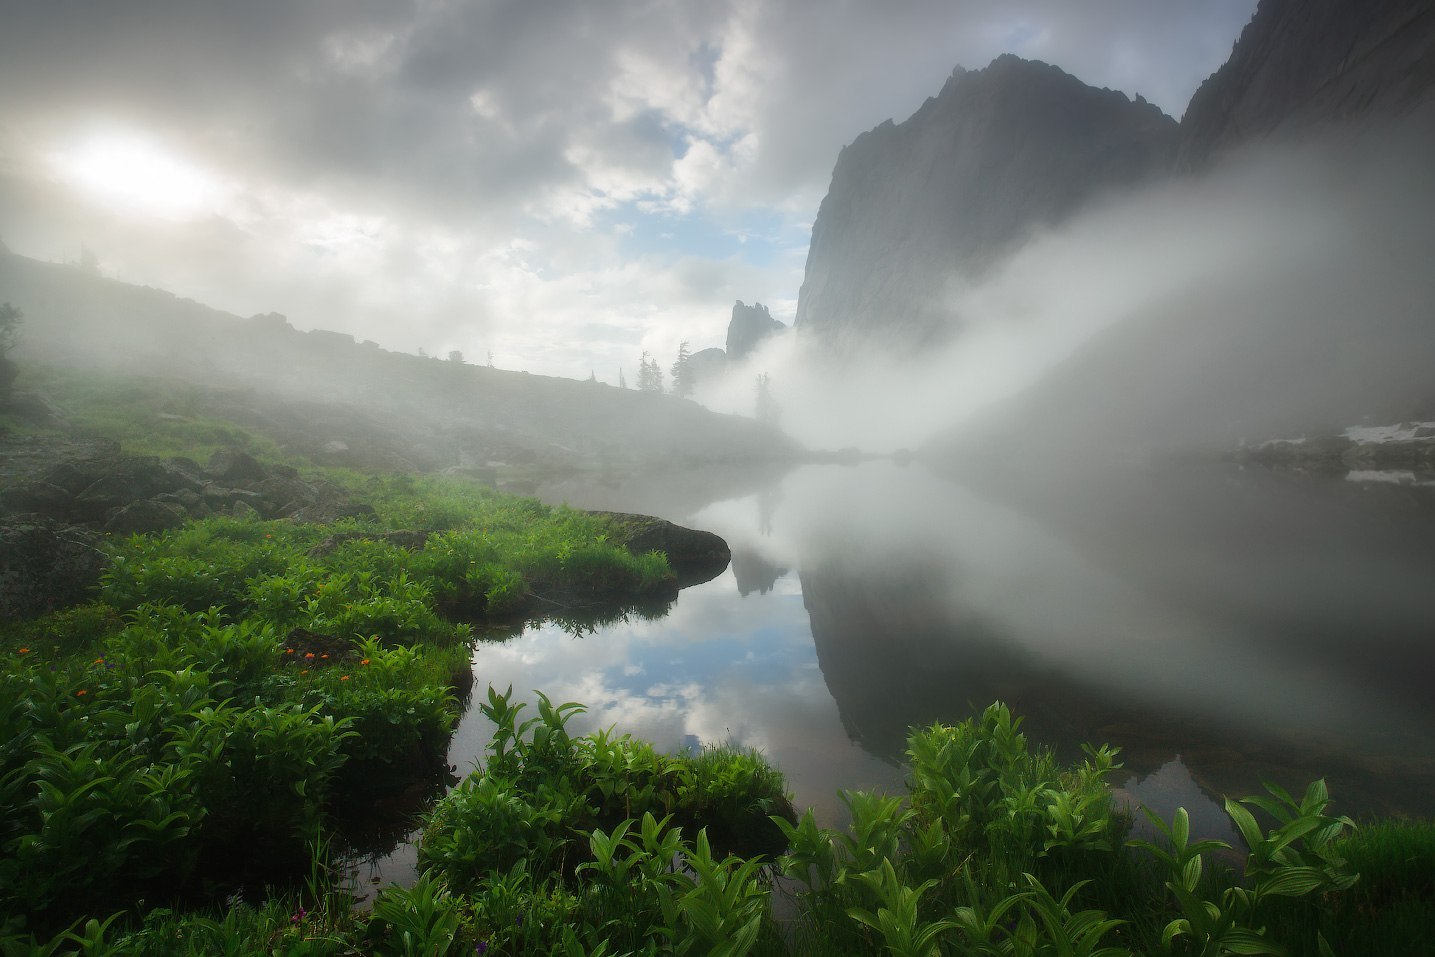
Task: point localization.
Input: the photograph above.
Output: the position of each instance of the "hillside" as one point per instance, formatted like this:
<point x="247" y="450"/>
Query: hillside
<point x="321" y="394"/>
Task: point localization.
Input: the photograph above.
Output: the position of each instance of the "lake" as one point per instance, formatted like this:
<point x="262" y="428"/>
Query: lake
<point x="1223" y="627"/>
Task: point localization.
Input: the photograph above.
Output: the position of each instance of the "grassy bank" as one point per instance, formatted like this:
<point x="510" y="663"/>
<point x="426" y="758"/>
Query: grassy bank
<point x="181" y="755"/>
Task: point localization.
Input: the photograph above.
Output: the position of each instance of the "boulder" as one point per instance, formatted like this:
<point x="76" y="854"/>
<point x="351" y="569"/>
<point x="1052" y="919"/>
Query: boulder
<point x="233" y="467"/>
<point x="144" y="517"/>
<point x="38" y="498"/>
<point x="45" y="564"/>
<point x="695" y="555"/>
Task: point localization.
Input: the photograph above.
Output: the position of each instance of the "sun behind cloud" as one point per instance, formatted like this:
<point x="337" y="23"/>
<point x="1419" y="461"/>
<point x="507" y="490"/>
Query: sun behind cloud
<point x="135" y="175"/>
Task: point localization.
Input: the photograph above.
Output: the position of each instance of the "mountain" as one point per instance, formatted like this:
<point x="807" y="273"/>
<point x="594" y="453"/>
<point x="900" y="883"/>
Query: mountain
<point x="918" y="206"/>
<point x="1340" y="97"/>
<point x="917" y="209"/>
<point x="747" y="329"/>
<point x="322" y="394"/>
<point x="1308" y="63"/>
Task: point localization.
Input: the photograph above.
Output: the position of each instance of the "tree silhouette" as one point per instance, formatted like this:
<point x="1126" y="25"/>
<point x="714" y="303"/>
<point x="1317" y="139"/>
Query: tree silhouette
<point x="682" y="372"/>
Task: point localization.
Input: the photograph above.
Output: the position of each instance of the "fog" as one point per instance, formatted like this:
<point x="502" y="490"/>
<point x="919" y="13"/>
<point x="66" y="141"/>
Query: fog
<point x="1269" y="294"/>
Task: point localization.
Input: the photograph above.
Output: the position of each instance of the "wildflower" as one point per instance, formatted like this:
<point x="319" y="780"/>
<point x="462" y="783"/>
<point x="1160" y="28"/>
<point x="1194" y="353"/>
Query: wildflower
<point x="308" y="655"/>
<point x="364" y="662"/>
<point x="325" y="656"/>
<point x="100" y="660"/>
<point x="298" y="915"/>
<point x="24" y="651"/>
<point x="481" y="947"/>
<point x="304" y="671"/>
<point x="288" y="651"/>
<point x="81" y="693"/>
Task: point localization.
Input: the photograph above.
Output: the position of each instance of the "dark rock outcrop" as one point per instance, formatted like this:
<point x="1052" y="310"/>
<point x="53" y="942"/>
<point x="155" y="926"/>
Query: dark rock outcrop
<point x="748" y="328"/>
<point x="706" y="365"/>
<point x="695" y="555"/>
<point x="1301" y="64"/>
<point x="45" y="564"/>
<point x="915" y="206"/>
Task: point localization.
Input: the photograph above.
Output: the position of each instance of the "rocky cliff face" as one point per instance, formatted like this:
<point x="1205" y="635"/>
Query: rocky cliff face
<point x="916" y="206"/>
<point x="749" y="326"/>
<point x="1304" y="63"/>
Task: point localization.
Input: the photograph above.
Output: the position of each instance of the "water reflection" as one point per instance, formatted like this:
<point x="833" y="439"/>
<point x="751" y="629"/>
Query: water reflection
<point x="1222" y="628"/>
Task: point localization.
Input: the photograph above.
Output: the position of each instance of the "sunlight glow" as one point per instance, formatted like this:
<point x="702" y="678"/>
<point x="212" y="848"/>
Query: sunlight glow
<point x="137" y="176"/>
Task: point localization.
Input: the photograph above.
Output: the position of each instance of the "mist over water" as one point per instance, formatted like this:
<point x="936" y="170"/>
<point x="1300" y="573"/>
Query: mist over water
<point x="1269" y="294"/>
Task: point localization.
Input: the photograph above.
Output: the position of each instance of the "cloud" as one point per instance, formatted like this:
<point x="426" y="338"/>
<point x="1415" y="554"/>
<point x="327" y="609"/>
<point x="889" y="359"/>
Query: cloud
<point x="382" y="158"/>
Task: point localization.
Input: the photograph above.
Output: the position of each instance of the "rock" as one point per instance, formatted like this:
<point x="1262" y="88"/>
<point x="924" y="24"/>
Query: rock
<point x="234" y="467"/>
<point x="183" y="473"/>
<point x="748" y="328"/>
<point x="45" y="565"/>
<point x="695" y="555"/>
<point x="38" y="498"/>
<point x="1301" y="64"/>
<point x="123" y="480"/>
<point x="285" y="494"/>
<point x="915" y="206"/>
<point x="243" y="510"/>
<point x="145" y="517"/>
<point x="706" y="365"/>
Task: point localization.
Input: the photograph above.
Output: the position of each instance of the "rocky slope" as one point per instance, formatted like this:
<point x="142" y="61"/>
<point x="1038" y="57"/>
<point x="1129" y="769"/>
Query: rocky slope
<point x="916" y="206"/>
<point x="1307" y="63"/>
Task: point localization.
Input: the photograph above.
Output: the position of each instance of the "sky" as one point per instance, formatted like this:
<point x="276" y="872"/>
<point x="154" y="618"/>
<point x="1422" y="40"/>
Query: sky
<point x="559" y="184"/>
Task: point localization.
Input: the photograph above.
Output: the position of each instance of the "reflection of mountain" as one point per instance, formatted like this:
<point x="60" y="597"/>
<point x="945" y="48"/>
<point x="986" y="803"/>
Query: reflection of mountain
<point x="893" y="659"/>
<point x="753" y="572"/>
<point x="1263" y="631"/>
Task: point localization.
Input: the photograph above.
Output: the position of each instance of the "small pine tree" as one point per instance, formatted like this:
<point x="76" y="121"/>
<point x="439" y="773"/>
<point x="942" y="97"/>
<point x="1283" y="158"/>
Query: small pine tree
<point x="592" y="376"/>
<point x="650" y="374"/>
<point x="766" y="409"/>
<point x="622" y="381"/>
<point x="455" y="356"/>
<point x="682" y="372"/>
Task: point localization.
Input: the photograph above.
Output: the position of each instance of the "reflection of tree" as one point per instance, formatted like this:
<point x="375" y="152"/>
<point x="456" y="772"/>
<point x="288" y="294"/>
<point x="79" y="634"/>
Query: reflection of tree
<point x="767" y="502"/>
<point x="753" y="572"/>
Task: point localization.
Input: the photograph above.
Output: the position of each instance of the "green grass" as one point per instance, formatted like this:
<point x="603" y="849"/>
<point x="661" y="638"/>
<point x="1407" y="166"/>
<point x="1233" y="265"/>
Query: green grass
<point x="238" y="687"/>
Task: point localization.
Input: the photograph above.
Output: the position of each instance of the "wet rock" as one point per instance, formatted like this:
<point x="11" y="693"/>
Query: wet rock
<point x="696" y="556"/>
<point x="145" y="517"/>
<point x="38" y="498"/>
<point x="243" y="510"/>
<point x="124" y="480"/>
<point x="234" y="467"/>
<point x="45" y="564"/>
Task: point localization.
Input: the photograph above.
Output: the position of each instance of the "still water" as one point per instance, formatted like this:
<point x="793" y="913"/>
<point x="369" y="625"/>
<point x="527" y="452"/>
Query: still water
<point x="1222" y="627"/>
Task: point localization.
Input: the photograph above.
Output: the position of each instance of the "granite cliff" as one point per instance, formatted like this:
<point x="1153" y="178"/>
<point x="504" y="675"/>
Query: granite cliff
<point x="917" y="206"/>
<point x="1304" y="64"/>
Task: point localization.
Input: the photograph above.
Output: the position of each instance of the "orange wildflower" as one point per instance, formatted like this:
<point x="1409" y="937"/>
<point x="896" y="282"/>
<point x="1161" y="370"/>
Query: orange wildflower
<point x="343" y="677"/>
<point x="364" y="662"/>
<point x="81" y="693"/>
<point x="24" y="651"/>
<point x="304" y="671"/>
<point x="324" y="656"/>
<point x="308" y="655"/>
